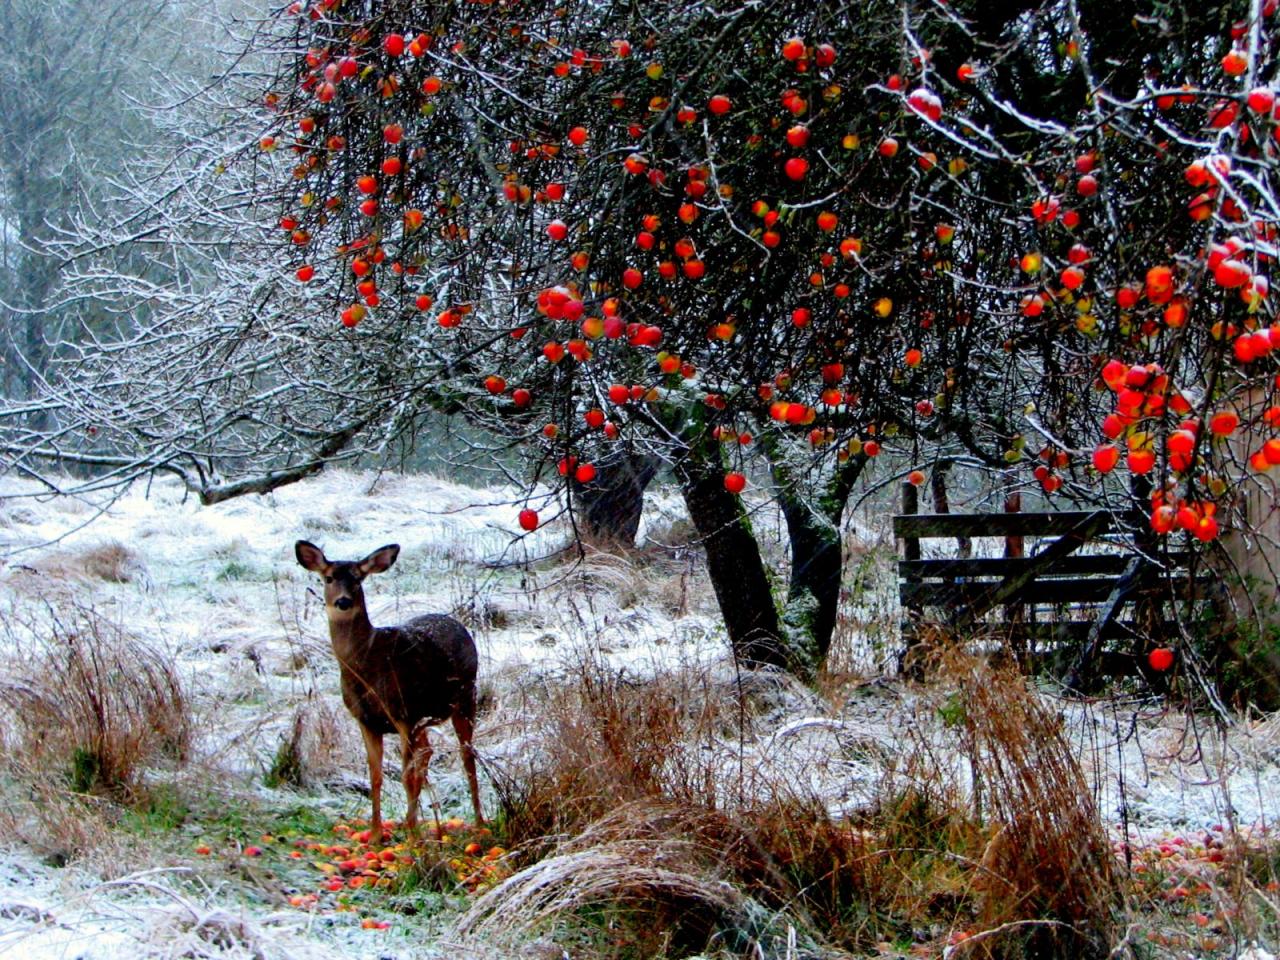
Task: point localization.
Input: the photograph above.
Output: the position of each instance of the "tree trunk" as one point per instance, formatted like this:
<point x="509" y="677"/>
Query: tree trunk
<point x="813" y="594"/>
<point x="610" y="505"/>
<point x="737" y="570"/>
<point x="942" y="504"/>
<point x="813" y="520"/>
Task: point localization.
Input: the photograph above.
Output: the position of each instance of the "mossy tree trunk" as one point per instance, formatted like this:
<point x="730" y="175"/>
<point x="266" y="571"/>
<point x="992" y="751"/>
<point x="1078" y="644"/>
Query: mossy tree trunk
<point x="765" y="626"/>
<point x="734" y="563"/>
<point x="813" y="518"/>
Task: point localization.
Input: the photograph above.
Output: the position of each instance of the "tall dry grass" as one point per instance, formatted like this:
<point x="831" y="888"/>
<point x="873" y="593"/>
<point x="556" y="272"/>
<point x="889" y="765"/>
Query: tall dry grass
<point x="604" y="739"/>
<point x="319" y="746"/>
<point x="650" y="824"/>
<point x="86" y="703"/>
<point x="1047" y="881"/>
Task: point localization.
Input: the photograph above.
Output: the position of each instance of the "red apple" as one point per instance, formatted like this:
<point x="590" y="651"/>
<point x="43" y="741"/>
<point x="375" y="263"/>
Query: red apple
<point x="1105" y="457"/>
<point x="1235" y="63"/>
<point x="1262" y="100"/>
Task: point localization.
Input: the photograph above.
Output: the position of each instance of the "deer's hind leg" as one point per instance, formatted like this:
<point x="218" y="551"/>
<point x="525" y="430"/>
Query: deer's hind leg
<point x="464" y="725"/>
<point x="416" y="745"/>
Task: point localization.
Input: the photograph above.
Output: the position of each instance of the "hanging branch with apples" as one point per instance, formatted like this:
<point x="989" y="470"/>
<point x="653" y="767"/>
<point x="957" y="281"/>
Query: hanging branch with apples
<point x="1030" y="238"/>
<point x="908" y="225"/>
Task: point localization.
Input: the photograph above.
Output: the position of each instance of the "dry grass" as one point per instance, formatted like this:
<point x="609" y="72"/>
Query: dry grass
<point x="652" y="825"/>
<point x="319" y="746"/>
<point x="666" y="885"/>
<point x="1047" y="877"/>
<point x="163" y="917"/>
<point x="54" y="823"/>
<point x="659" y="580"/>
<point x="605" y="739"/>
<point x="69" y="571"/>
<point x="113" y="562"/>
<point x="88" y="703"/>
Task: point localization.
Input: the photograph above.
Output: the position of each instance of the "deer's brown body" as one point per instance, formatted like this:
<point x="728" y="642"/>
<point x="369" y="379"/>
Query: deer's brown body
<point x="399" y="679"/>
<point x="383" y="669"/>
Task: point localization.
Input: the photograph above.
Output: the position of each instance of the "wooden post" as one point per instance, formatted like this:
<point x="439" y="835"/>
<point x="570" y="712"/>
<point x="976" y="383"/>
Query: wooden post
<point x="1015" y="613"/>
<point x="941" y="504"/>
<point x="910" y="507"/>
<point x="910" y="663"/>
<point x="1014" y="546"/>
<point x="1248" y="567"/>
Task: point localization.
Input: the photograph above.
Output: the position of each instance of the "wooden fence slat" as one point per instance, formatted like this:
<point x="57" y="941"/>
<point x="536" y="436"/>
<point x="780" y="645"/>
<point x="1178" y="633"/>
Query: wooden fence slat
<point x="926" y="525"/>
<point x="945" y="568"/>
<point x="1015" y="583"/>
<point x="1066" y="590"/>
<point x="984" y="596"/>
<point x="1061" y="631"/>
<point x="1080" y="675"/>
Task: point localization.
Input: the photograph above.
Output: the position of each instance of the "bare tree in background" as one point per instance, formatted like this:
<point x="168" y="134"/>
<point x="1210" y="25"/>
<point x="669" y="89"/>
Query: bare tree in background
<point x="71" y="116"/>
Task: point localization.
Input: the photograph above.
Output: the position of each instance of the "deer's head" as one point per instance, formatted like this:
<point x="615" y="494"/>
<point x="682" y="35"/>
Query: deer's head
<point x="343" y="593"/>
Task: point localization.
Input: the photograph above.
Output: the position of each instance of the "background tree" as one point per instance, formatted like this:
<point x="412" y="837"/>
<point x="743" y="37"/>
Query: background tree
<point x="78" y="104"/>
<point x="716" y="232"/>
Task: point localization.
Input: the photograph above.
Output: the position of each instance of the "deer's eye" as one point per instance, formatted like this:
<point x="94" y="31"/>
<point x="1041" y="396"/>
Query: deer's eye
<point x="328" y="579"/>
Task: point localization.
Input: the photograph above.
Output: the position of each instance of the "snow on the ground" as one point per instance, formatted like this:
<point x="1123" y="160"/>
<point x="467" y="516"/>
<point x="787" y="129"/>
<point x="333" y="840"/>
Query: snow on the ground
<point x="65" y="914"/>
<point x="219" y="588"/>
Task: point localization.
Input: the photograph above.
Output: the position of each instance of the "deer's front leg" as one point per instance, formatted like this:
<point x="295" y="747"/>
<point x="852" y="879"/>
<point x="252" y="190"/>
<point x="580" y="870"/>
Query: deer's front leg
<point x="373" y="751"/>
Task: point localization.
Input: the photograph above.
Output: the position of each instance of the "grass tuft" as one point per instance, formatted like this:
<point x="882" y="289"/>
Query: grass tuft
<point x="89" y="702"/>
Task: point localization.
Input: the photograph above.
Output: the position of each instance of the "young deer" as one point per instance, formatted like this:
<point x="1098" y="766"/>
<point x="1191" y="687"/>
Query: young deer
<point x="397" y="679"/>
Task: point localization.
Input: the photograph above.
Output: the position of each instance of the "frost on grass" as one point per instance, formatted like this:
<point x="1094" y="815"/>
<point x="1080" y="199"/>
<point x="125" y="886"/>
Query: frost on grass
<point x="150" y="914"/>
<point x="217" y="591"/>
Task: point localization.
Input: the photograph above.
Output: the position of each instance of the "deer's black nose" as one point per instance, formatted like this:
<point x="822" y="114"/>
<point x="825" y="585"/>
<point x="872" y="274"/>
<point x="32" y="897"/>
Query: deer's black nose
<point x="343" y="603"/>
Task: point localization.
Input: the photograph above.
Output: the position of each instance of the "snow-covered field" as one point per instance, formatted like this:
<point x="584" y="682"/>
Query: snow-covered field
<point x="218" y="588"/>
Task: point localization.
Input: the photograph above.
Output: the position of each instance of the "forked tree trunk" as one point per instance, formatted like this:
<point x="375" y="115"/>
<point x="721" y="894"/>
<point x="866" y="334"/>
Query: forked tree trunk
<point x="796" y="634"/>
<point x="813" y="518"/>
<point x="813" y="593"/>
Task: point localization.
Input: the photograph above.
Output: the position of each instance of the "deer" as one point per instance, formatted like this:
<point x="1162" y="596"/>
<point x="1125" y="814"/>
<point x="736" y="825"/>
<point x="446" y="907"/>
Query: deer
<point x="400" y="679"/>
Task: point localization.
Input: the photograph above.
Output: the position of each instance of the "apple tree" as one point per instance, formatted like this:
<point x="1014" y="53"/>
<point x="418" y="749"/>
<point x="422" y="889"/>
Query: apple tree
<point x="1033" y="238"/>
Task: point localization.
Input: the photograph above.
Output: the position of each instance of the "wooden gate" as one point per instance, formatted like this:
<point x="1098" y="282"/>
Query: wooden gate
<point x="1069" y="581"/>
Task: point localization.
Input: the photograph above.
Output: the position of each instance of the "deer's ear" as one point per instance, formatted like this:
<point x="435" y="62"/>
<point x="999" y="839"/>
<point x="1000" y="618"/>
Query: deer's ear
<point x="310" y="556"/>
<point x="380" y="560"/>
